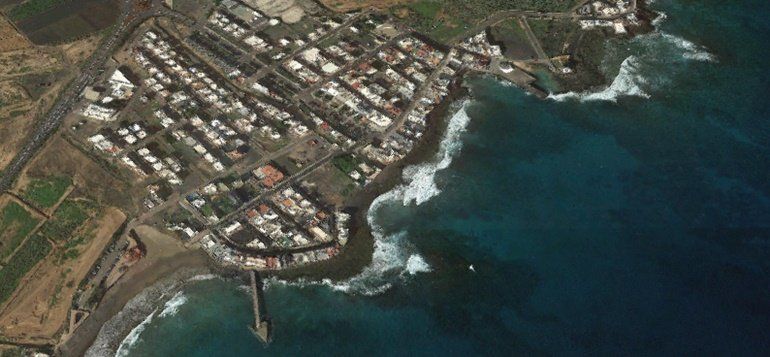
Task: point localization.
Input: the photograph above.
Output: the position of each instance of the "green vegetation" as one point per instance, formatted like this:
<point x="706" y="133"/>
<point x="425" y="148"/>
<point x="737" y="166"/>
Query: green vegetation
<point x="31" y="8"/>
<point x="68" y="217"/>
<point x="553" y="34"/>
<point x="69" y="250"/>
<point x="207" y="210"/>
<point x="15" y="224"/>
<point x="224" y="205"/>
<point x="514" y="40"/>
<point x="46" y="192"/>
<point x="13" y="352"/>
<point x="33" y="251"/>
<point x="346" y="163"/>
<point x="443" y="20"/>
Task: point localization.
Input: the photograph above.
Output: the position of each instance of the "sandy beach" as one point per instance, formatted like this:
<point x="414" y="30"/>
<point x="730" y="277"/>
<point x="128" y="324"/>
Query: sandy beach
<point x="166" y="259"/>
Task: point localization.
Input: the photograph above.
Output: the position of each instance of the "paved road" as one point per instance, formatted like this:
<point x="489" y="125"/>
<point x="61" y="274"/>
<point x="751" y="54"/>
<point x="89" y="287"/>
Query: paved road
<point x="93" y="67"/>
<point x="274" y="65"/>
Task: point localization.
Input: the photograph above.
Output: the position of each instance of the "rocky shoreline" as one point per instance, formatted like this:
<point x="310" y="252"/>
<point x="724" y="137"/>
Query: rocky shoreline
<point x="157" y="277"/>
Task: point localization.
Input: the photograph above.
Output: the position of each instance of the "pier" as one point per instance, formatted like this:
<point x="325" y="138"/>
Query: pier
<point x="262" y="327"/>
<point x="516" y="76"/>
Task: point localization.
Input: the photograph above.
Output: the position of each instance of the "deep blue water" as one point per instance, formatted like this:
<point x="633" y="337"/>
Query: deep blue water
<point x="639" y="227"/>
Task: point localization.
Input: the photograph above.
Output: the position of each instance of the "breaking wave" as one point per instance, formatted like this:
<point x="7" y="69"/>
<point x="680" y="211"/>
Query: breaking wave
<point x="689" y="50"/>
<point x="644" y="55"/>
<point x="133" y="336"/>
<point x="416" y="264"/>
<point x="393" y="258"/>
<point x="140" y="312"/>
<point x="628" y="82"/>
<point x="662" y="16"/>
<point x="202" y="277"/>
<point x="421" y="184"/>
<point x="172" y="306"/>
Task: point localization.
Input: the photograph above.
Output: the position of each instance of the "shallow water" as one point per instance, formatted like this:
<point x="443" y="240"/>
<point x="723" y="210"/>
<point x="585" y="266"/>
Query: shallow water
<point x="630" y="221"/>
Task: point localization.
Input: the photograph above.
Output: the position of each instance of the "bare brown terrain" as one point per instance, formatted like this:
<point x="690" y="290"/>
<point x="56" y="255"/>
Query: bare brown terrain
<point x="59" y="157"/>
<point x="78" y="51"/>
<point x="40" y="308"/>
<point x="30" y="79"/>
<point x="351" y="5"/>
<point x="27" y="60"/>
<point x="10" y="38"/>
<point x="10" y="130"/>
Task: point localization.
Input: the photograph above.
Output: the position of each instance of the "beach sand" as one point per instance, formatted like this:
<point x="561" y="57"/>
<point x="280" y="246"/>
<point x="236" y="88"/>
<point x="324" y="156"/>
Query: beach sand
<point x="166" y="259"/>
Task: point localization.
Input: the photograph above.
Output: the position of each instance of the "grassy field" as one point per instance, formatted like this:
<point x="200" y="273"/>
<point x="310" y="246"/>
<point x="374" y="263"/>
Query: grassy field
<point x="34" y="250"/>
<point x="514" y="40"/>
<point x="68" y="217"/>
<point x="553" y="34"/>
<point x="46" y="192"/>
<point x="346" y="163"/>
<point x="31" y="8"/>
<point x="15" y="224"/>
<point x="442" y="20"/>
<point x="66" y="20"/>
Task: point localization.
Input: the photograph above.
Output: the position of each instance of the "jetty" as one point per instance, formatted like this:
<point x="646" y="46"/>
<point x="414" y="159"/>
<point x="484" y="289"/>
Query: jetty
<point x="516" y="76"/>
<point x="262" y="327"/>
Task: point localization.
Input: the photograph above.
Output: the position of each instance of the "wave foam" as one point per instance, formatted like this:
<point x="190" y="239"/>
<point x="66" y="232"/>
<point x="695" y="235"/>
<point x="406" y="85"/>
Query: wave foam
<point x="628" y="82"/>
<point x="139" y="312"/>
<point x="662" y="16"/>
<point x="202" y="277"/>
<point x="690" y="50"/>
<point x="393" y="258"/>
<point x="133" y="336"/>
<point x="416" y="264"/>
<point x="172" y="306"/>
<point x="421" y="184"/>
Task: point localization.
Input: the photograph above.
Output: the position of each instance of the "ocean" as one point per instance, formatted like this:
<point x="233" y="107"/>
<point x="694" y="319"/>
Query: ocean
<point x="631" y="220"/>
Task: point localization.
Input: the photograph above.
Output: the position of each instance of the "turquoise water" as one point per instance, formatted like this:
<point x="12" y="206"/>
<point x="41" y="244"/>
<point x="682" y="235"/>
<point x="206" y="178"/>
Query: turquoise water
<point x="593" y="226"/>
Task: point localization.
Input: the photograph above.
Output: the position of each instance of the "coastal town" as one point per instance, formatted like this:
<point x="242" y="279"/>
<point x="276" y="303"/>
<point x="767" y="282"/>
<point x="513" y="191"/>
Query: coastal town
<point x="250" y="130"/>
<point x="245" y="128"/>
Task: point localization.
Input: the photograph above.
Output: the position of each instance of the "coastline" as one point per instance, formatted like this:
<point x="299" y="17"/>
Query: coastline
<point x="357" y="254"/>
<point x="170" y="271"/>
<point x="351" y="261"/>
<point x="148" y="273"/>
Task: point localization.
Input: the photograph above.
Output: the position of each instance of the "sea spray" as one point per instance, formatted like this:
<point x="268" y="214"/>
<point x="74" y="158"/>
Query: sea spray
<point x="133" y="336"/>
<point x="421" y="179"/>
<point x="628" y="82"/>
<point x="393" y="258"/>
<point x="139" y="312"/>
<point x="172" y="306"/>
<point x="646" y="54"/>
<point x="689" y="49"/>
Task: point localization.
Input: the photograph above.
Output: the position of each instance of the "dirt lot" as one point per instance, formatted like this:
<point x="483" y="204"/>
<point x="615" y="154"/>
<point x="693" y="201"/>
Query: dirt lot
<point x="10" y="39"/>
<point x="14" y="100"/>
<point x="78" y="51"/>
<point x="29" y="60"/>
<point x="331" y="184"/>
<point x="14" y="127"/>
<point x="350" y="5"/>
<point x="59" y="157"/>
<point x="40" y="309"/>
<point x="11" y="140"/>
